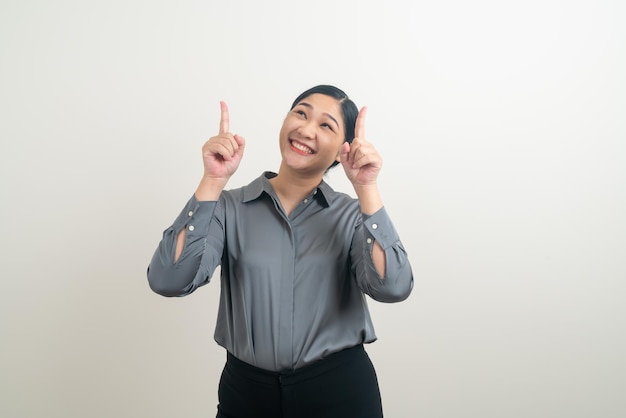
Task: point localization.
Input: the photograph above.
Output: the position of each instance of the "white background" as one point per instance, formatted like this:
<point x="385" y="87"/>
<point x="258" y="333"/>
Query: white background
<point x="502" y="128"/>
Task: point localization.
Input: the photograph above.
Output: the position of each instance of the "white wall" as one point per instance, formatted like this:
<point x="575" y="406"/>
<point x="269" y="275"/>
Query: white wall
<point x="502" y="126"/>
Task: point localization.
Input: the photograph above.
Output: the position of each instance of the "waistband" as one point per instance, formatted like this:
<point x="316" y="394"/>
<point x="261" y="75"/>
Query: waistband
<point x="309" y="371"/>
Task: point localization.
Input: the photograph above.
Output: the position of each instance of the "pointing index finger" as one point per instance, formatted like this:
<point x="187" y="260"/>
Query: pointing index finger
<point x="359" y="129"/>
<point x="224" y="118"/>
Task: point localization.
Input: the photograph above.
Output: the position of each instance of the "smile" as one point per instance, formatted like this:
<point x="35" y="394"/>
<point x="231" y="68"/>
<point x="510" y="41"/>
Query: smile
<point x="301" y="147"/>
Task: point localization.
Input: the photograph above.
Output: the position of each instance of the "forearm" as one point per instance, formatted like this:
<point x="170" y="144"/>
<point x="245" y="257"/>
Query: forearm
<point x="188" y="252"/>
<point x="210" y="188"/>
<point x="369" y="198"/>
<point x="377" y="238"/>
<point x="370" y="203"/>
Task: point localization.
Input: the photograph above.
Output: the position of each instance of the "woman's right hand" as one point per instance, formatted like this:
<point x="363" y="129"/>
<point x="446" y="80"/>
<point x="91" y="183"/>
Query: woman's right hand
<point x="222" y="153"/>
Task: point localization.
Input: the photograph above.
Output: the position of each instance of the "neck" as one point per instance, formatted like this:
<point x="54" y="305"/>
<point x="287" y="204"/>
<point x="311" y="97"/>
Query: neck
<point x="291" y="188"/>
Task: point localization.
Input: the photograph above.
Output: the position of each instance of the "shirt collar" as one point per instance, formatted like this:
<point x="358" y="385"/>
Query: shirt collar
<point x="261" y="184"/>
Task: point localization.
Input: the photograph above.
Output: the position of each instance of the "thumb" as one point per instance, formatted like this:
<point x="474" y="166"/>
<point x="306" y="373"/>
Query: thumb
<point x="344" y="153"/>
<point x="241" y="141"/>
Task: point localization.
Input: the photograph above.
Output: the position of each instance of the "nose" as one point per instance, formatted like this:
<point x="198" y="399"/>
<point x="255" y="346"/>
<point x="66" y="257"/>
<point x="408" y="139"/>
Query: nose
<point x="307" y="129"/>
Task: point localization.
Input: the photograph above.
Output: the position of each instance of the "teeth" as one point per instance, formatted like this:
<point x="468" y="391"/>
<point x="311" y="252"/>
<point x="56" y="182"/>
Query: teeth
<point x="302" y="148"/>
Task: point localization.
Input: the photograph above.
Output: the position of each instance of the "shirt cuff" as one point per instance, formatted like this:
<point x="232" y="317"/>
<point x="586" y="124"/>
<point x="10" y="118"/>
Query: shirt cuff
<point x="380" y="228"/>
<point x="195" y="217"/>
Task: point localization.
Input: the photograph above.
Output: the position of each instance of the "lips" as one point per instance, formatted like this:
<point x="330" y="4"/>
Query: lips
<point x="298" y="146"/>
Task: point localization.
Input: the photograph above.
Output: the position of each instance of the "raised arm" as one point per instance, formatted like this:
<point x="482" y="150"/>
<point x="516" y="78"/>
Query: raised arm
<point x="191" y="247"/>
<point x="362" y="163"/>
<point x="379" y="260"/>
<point x="221" y="156"/>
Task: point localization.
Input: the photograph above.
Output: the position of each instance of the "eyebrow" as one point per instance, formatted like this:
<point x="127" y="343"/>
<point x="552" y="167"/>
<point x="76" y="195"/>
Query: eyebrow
<point x="326" y="114"/>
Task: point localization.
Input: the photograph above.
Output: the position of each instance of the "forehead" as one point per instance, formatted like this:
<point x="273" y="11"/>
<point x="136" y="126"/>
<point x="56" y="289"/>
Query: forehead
<point x="323" y="104"/>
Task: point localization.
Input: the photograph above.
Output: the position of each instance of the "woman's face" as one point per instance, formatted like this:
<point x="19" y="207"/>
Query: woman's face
<point x="312" y="134"/>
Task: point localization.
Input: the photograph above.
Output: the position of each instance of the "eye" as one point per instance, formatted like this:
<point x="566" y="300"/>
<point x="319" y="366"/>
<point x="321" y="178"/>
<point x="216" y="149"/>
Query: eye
<point x="327" y="126"/>
<point x="300" y="112"/>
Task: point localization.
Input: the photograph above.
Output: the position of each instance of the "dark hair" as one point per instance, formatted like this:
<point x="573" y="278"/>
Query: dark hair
<point x="348" y="108"/>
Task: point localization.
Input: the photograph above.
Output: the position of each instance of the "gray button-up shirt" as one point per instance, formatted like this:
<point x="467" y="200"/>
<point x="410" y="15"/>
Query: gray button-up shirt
<point x="292" y="287"/>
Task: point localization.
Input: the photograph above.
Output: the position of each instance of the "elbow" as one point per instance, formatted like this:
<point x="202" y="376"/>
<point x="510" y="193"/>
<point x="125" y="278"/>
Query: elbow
<point x="176" y="279"/>
<point x="394" y="293"/>
<point x="160" y="283"/>
<point x="397" y="284"/>
<point x="394" y="289"/>
<point x="159" y="289"/>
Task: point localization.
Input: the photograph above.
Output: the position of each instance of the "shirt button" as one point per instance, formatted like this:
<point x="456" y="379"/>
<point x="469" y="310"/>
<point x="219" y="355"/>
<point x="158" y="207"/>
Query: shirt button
<point x="374" y="226"/>
<point x="369" y="240"/>
<point x="191" y="228"/>
<point x="190" y="213"/>
<point x="306" y="200"/>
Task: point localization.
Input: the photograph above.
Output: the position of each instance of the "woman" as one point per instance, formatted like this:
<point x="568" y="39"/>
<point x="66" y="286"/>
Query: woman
<point x="297" y="260"/>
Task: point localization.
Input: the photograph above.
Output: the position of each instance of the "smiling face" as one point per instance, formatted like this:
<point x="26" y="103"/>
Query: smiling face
<point x="312" y="135"/>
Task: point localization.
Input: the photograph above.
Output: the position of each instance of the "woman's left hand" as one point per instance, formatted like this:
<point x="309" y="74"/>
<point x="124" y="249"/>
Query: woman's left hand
<point x="360" y="160"/>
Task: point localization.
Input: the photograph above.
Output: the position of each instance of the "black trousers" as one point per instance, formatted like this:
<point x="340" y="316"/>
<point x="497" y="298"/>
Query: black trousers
<point x="343" y="385"/>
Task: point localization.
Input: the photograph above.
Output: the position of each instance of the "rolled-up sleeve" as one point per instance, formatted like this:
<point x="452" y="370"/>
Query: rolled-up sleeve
<point x="201" y="252"/>
<point x="397" y="283"/>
